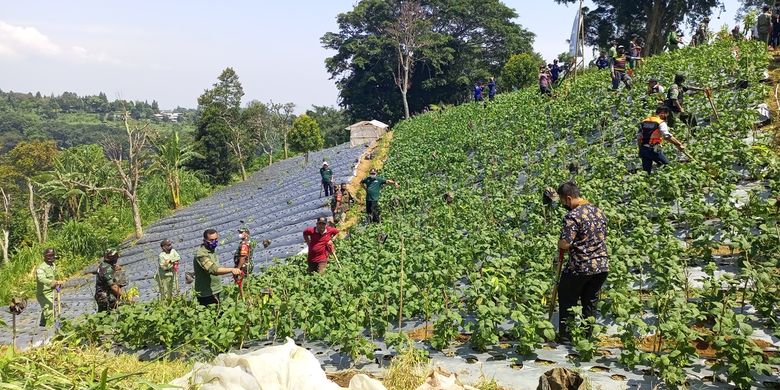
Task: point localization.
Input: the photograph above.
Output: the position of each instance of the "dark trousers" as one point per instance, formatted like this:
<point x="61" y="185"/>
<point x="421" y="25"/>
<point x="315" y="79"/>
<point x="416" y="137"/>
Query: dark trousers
<point x="316" y="267"/>
<point x="577" y="288"/>
<point x="650" y="156"/>
<point x="372" y="211"/>
<point x="327" y="187"/>
<point x="209" y="300"/>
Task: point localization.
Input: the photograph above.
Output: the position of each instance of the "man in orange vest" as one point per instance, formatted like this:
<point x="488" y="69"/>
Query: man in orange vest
<point x="652" y="132"/>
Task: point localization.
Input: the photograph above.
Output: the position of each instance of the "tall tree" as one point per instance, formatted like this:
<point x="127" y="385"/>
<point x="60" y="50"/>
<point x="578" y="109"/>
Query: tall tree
<point x="172" y="155"/>
<point x="30" y="160"/>
<point x="261" y="124"/>
<point x="411" y="35"/>
<point x="305" y="135"/>
<point x="521" y="70"/>
<point x="219" y="137"/>
<point x="474" y="40"/>
<point x="129" y="158"/>
<point x="653" y="19"/>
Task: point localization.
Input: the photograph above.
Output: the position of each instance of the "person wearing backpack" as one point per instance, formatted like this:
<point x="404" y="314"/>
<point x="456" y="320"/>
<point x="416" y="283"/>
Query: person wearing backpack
<point x="764" y="25"/>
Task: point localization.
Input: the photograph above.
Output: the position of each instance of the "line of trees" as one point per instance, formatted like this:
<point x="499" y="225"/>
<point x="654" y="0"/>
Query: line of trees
<point x="229" y="137"/>
<point x="395" y="57"/>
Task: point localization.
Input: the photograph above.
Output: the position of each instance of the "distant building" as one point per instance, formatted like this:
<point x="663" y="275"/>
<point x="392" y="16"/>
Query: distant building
<point x="168" y="116"/>
<point x="366" y="131"/>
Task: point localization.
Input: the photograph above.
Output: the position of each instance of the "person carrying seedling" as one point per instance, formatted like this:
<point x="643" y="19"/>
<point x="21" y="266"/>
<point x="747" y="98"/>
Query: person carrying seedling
<point x="108" y="289"/>
<point x="168" y="270"/>
<point x="327" y="175"/>
<point x="207" y="269"/>
<point x="652" y="133"/>
<point x="373" y="186"/>
<point x="477" y="92"/>
<point x="46" y="285"/>
<point x="243" y="256"/>
<point x="618" y="70"/>
<point x="317" y="238"/>
<point x="584" y="236"/>
<point x="674" y="100"/>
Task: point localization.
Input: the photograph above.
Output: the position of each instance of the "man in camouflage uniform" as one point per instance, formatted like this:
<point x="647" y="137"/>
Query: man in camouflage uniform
<point x="46" y="284"/>
<point x="584" y="236"/>
<point x="340" y="203"/>
<point x="245" y="251"/>
<point x="108" y="282"/>
<point x="207" y="271"/>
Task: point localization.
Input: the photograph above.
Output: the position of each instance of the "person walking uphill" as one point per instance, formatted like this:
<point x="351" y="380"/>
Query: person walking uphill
<point x="168" y="270"/>
<point x="109" y="282"/>
<point x="327" y="176"/>
<point x="373" y="185"/>
<point x="584" y="236"/>
<point x="318" y="239"/>
<point x="652" y="132"/>
<point x="45" y="285"/>
<point x="208" y="285"/>
<point x="674" y="100"/>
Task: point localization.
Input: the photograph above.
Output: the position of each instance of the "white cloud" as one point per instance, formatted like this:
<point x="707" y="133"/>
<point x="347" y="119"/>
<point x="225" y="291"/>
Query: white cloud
<point x="26" y="41"/>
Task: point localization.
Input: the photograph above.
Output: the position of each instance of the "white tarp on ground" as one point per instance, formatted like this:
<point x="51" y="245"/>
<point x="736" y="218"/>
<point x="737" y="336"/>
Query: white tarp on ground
<point x="286" y="366"/>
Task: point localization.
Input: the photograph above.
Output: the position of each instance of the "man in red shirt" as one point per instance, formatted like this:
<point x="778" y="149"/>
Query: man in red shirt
<point x="318" y="239"/>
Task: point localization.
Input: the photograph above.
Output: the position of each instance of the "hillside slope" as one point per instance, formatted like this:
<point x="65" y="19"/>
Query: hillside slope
<point x="277" y="203"/>
<point x="691" y="247"/>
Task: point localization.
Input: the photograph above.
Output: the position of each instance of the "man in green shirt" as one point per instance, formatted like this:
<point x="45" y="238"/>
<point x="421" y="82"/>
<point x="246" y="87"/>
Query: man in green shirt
<point x="327" y="176"/>
<point x="373" y="185"/>
<point x="168" y="271"/>
<point x="46" y="284"/>
<point x="207" y="270"/>
<point x="108" y="289"/>
<point x="673" y="40"/>
<point x="674" y="100"/>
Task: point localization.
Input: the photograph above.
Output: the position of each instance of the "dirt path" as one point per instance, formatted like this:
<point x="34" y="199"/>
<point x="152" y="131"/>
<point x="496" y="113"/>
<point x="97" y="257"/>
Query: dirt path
<point x="378" y="151"/>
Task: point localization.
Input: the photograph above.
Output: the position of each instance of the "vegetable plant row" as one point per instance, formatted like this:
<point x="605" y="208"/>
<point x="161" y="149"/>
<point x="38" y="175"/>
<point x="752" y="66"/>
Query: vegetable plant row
<point x="484" y="260"/>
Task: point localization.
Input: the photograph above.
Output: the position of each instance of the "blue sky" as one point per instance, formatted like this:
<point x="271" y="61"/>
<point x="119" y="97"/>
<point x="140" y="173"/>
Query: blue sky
<point x="172" y="50"/>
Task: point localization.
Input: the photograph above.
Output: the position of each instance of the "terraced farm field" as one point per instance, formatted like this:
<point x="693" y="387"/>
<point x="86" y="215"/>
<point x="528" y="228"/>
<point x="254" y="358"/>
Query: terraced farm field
<point x="692" y="292"/>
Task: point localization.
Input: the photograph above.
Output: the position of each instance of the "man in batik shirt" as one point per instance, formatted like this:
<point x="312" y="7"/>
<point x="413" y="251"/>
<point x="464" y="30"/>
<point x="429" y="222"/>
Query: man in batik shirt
<point x="584" y="236"/>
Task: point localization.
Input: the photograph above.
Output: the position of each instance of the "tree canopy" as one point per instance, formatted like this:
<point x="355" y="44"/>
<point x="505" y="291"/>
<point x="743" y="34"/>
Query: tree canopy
<point x="474" y="39"/>
<point x="651" y="19"/>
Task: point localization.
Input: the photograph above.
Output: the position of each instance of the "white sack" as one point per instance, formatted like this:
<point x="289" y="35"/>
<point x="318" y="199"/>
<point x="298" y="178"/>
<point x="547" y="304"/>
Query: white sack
<point x="286" y="366"/>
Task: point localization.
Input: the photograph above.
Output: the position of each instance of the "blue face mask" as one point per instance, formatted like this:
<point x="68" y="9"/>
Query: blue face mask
<point x="211" y="244"/>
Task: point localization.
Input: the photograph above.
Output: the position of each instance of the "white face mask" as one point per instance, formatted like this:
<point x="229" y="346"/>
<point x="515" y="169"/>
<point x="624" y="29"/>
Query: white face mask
<point x="373" y="176"/>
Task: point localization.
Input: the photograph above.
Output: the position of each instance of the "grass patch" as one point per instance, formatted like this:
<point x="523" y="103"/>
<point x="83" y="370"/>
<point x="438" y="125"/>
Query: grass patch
<point x="407" y="371"/>
<point x="60" y="366"/>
